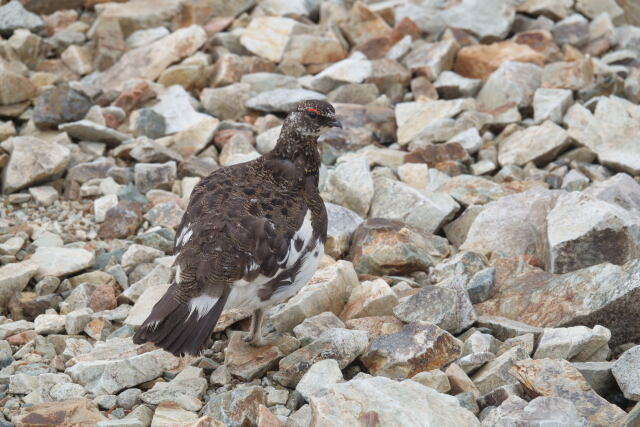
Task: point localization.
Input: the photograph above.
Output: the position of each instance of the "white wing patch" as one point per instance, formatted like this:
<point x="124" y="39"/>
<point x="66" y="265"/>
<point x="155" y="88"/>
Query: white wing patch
<point x="304" y="233"/>
<point x="201" y="305"/>
<point x="185" y="235"/>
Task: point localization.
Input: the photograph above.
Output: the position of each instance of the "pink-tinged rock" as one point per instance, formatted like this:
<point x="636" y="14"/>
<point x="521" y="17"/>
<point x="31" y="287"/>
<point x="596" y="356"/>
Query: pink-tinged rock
<point x="148" y="62"/>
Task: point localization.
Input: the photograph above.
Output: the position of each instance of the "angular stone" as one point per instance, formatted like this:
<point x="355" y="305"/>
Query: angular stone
<point x="601" y="295"/>
<point x="446" y="305"/>
<point x="387" y="401"/>
<point x="268" y="36"/>
<point x="626" y="373"/>
<point x="611" y="132"/>
<point x="186" y="390"/>
<point x="363" y="24"/>
<point x="436" y="379"/>
<point x="371" y="298"/>
<point x="451" y="85"/>
<point x="576" y="344"/>
<point x="350" y="185"/>
<point x="573" y="30"/>
<point x="281" y="100"/>
<point x="540" y="411"/>
<point x="115" y="365"/>
<point x="14" y="278"/>
<point x="480" y="61"/>
<point x="573" y="75"/>
<point x="236" y="407"/>
<point x="314" y="326"/>
<point x="538" y="144"/>
<point x="497" y="372"/>
<point x="321" y="375"/>
<point x="148" y="62"/>
<point x="471" y="190"/>
<point x="419" y="347"/>
<point x="598" y="375"/>
<point x="227" y="103"/>
<point x="170" y="413"/>
<point x="342" y="222"/>
<point x="86" y="130"/>
<point x="576" y="241"/>
<point x="351" y="70"/>
<point x="53" y="261"/>
<point x="414" y="118"/>
<point x="431" y="59"/>
<point x="376" y="325"/>
<point x="510" y="224"/>
<point x="148" y="176"/>
<point x="328" y="290"/>
<point x="382" y="246"/>
<point x="557" y="378"/>
<point x="46" y="324"/>
<point x="424" y="210"/>
<point x="80" y="411"/>
<point x="247" y="362"/>
<point x="554" y="8"/>
<point x="11" y="328"/>
<point x="513" y="83"/>
<point x="33" y="160"/>
<point x="343" y="345"/>
<point x="59" y="105"/>
<point x="551" y="104"/>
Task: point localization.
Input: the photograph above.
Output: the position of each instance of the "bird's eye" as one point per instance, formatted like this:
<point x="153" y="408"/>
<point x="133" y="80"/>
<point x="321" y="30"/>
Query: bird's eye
<point x="312" y="112"/>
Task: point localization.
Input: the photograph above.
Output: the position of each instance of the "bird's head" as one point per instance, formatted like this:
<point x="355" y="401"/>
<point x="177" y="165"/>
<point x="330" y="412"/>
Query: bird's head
<point x="313" y="117"/>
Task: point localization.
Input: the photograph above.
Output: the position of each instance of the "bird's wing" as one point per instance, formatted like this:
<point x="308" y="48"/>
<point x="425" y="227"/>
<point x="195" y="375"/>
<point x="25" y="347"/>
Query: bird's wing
<point x="236" y="230"/>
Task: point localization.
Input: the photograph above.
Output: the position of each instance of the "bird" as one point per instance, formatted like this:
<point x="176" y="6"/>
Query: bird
<point x="251" y="236"/>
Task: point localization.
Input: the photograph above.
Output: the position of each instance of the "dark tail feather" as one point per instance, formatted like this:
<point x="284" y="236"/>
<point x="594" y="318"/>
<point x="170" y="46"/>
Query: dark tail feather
<point x="176" y="329"/>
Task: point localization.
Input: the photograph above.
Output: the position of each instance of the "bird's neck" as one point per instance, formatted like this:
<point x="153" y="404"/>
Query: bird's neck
<point x="301" y="149"/>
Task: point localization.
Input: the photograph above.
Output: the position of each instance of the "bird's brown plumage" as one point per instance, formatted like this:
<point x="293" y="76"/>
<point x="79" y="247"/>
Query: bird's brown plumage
<point x="239" y="229"/>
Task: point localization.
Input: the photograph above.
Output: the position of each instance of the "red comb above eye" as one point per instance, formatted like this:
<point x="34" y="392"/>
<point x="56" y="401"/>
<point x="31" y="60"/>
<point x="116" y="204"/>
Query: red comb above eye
<point x="313" y="110"/>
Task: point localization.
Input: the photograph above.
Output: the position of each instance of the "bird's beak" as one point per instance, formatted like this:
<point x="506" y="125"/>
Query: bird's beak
<point x="336" y="124"/>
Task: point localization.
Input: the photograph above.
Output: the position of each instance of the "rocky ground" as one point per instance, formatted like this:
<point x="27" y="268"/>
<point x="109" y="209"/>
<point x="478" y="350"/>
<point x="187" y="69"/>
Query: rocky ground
<point x="482" y="266"/>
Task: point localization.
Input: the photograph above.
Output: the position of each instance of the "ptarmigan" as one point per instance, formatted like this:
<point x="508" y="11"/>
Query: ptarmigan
<point x="251" y="237"/>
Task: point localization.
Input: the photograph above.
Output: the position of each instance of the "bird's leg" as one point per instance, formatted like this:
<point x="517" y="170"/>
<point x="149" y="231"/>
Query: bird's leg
<point x="255" y="337"/>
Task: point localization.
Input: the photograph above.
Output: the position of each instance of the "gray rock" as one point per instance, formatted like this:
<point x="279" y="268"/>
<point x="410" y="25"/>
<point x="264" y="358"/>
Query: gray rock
<point x="129" y="398"/>
<point x="425" y="210"/>
<point x="573" y="30"/>
<point x="281" y="100"/>
<point x="315" y="326"/>
<point x="237" y="407"/>
<point x="471" y="362"/>
<point x="611" y="132"/>
<point x="418" y="347"/>
<point x="577" y="225"/>
<point x="350" y="185"/>
<point x="262" y="82"/>
<point x="551" y="104"/>
<point x="481" y="285"/>
<point x="497" y="373"/>
<point x="149" y="176"/>
<point x="86" y="130"/>
<point x="355" y="69"/>
<point x="512" y="82"/>
<point x="33" y="160"/>
<point x="77" y="320"/>
<point x="598" y="375"/>
<point x="511" y="225"/>
<point x="431" y="59"/>
<point x="388" y="401"/>
<point x="178" y="112"/>
<point x="321" y="375"/>
<point x="451" y="85"/>
<point x="14" y="278"/>
<point x="12" y="328"/>
<point x="343" y="345"/>
<point x="342" y="222"/>
<point x="435" y="378"/>
<point x="354" y="93"/>
<point x="186" y="389"/>
<point x="59" y="105"/>
<point x="148" y="151"/>
<point x="626" y="373"/>
<point x="419" y="118"/>
<point x="58" y="262"/>
<point x="13" y="16"/>
<point x="150" y="124"/>
<point x="446" y="305"/>
<point x="578" y="344"/>
<point x="46" y="324"/>
<point x="228" y="102"/>
<point x="538" y="144"/>
<point x="540" y="411"/>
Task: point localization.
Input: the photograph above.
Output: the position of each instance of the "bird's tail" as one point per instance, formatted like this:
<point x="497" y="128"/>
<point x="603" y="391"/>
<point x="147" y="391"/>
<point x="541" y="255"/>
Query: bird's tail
<point x="177" y="327"/>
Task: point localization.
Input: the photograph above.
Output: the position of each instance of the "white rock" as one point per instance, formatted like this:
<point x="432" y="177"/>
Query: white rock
<point x="625" y="371"/>
<point x="321" y="375"/>
<point x="350" y="70"/>
<point x="44" y="195"/>
<point x="576" y="344"/>
<point x="350" y="185"/>
<point x="281" y="100"/>
<point x="538" y="144"/>
<point x="102" y="204"/>
<point x="139" y="254"/>
<point x="143" y="306"/>
<point x="268" y="36"/>
<point x="176" y="108"/>
<point x="416" y="117"/>
<point x="53" y="261"/>
<point x="551" y="104"/>
<point x="406" y="403"/>
<point x="46" y="324"/>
